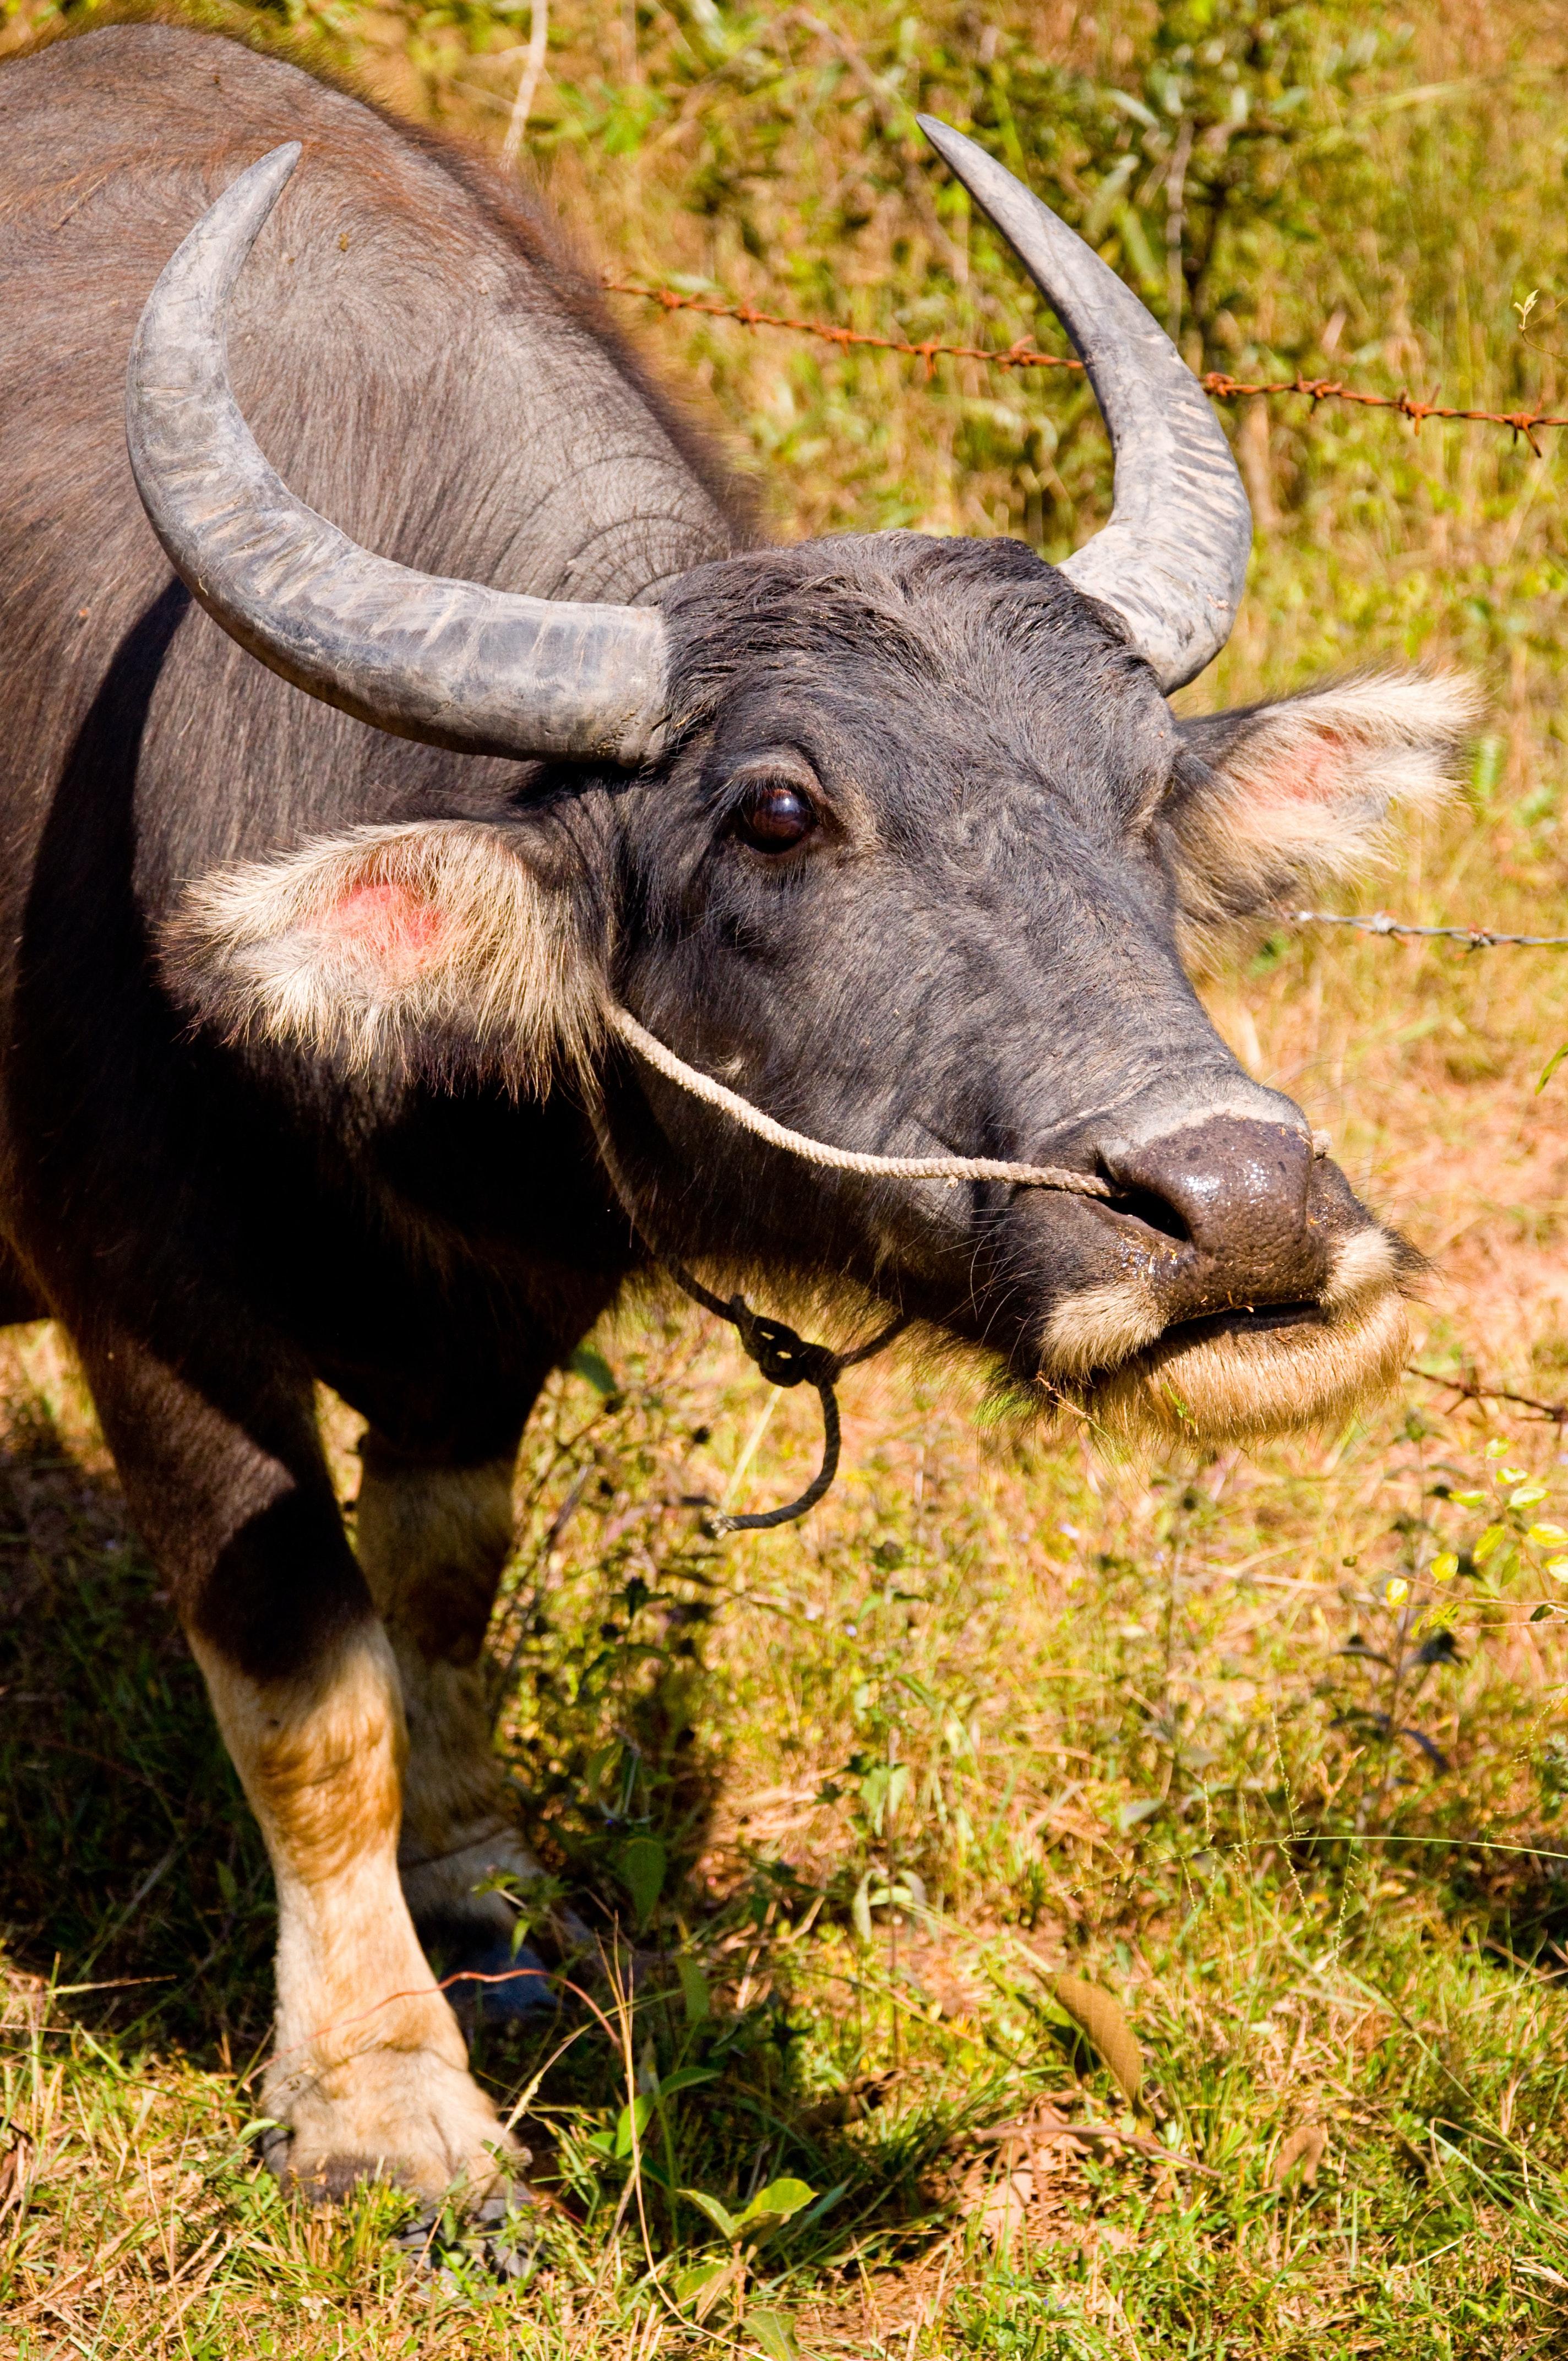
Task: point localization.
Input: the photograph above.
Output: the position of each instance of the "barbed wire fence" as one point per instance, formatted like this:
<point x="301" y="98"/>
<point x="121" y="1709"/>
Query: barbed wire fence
<point x="1378" y="922"/>
<point x="1027" y="355"/>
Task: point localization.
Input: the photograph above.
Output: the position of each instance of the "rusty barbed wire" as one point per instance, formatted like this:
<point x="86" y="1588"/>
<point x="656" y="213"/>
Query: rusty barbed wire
<point x="1475" y="939"/>
<point x="1025" y="354"/>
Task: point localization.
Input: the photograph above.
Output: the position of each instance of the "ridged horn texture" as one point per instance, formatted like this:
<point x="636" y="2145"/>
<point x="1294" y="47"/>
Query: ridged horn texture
<point x="1172" y="561"/>
<point x="453" y="663"/>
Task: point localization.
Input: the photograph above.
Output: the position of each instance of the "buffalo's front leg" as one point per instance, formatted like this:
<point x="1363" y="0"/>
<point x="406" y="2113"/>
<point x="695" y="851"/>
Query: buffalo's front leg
<point x="433" y="1537"/>
<point x="368" y="2073"/>
<point x="368" y="2070"/>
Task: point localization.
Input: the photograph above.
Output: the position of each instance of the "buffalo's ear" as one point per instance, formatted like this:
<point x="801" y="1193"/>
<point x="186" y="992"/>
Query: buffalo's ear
<point x="436" y="949"/>
<point x="1274" y="800"/>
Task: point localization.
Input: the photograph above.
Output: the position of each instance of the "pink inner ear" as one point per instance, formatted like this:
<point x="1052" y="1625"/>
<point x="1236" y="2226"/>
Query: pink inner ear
<point x="1314" y="772"/>
<point x="390" y="927"/>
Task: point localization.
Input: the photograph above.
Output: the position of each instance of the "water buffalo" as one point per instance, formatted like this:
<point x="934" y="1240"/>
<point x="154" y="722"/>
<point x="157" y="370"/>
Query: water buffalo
<point x="312" y="963"/>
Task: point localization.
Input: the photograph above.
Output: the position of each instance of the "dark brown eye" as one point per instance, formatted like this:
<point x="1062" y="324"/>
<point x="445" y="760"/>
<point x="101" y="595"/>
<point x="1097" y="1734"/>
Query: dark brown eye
<point x="773" y="815"/>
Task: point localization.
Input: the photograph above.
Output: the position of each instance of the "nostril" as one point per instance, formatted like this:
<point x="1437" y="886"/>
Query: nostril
<point x="1235" y="1195"/>
<point x="1155" y="1212"/>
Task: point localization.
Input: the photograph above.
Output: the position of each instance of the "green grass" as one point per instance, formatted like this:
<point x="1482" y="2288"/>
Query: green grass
<point x="1134" y="1748"/>
<point x="1008" y="1704"/>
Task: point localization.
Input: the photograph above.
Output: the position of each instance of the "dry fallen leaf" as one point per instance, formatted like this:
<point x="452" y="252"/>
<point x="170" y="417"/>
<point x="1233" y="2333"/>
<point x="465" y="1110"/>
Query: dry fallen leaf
<point x="1301" y="2153"/>
<point x="1000" y="2206"/>
<point x="1044" y="2132"/>
<point x="15" y="2160"/>
<point x="1104" y="2021"/>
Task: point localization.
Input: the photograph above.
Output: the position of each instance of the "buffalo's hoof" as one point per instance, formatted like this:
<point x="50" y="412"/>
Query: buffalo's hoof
<point x="501" y="2239"/>
<point x="411" y="2117"/>
<point x="490" y="1983"/>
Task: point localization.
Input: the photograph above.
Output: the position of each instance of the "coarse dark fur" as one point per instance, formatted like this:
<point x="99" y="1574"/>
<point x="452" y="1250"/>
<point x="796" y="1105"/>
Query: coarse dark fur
<point x="974" y="950"/>
<point x="153" y="1193"/>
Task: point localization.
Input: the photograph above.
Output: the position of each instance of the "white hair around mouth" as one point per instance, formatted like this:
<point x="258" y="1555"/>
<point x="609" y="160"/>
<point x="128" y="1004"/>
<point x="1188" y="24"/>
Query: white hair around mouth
<point x="1232" y="1379"/>
<point x="1099" y="1328"/>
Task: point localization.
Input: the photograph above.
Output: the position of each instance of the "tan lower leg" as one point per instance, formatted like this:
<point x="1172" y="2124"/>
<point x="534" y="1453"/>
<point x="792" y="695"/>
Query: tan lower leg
<point x="369" y="2069"/>
<point x="432" y="1541"/>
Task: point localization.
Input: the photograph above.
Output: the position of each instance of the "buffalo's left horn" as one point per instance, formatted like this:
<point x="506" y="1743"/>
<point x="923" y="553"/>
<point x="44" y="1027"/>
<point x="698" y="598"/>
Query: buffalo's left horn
<point x="1172" y="561"/>
<point x="479" y="671"/>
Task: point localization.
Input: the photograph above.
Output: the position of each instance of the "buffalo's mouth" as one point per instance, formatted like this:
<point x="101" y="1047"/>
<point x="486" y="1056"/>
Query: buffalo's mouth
<point x="1230" y="1286"/>
<point x="1239" y="1374"/>
<point x="1247" y="1320"/>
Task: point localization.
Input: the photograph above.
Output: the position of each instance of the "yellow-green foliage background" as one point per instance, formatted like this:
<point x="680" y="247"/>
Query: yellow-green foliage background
<point x="1146" y="1721"/>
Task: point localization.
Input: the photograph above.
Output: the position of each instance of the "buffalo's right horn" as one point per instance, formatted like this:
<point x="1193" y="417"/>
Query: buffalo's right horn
<point x="480" y="671"/>
<point x="1172" y="561"/>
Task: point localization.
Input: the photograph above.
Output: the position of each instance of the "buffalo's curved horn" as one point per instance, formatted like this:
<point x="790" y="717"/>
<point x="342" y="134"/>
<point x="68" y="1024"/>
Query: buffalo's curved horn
<point x="479" y="671"/>
<point x="1172" y="561"/>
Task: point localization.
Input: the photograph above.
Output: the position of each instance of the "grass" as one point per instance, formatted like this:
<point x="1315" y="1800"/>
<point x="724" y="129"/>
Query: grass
<point x="1008" y="1703"/>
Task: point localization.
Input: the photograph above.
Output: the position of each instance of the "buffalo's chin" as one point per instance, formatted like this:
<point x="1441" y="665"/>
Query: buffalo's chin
<point x="1243" y="1376"/>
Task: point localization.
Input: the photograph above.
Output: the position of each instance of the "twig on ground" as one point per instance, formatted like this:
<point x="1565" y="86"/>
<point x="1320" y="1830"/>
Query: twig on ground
<point x="528" y="84"/>
<point x="1554" y="1414"/>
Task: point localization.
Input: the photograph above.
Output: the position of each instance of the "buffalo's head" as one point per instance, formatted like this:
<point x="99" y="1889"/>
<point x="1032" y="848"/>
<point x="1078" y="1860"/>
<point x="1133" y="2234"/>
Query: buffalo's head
<point x="895" y="836"/>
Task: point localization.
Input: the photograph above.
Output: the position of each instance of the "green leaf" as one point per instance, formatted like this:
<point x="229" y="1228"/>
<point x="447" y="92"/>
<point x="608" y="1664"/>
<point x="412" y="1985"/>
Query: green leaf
<point x="1551" y="1068"/>
<point x="874" y="1793"/>
<point x="639" y="1864"/>
<point x="775" y="2334"/>
<point x="860" y="1909"/>
<point x="639" y="2112"/>
<point x="775" y="2205"/>
<point x="723" y="2221"/>
<point x="694" y="1989"/>
<point x="690" y="2283"/>
<point x="704" y="2284"/>
<point x="687" y="2078"/>
<point x="586" y="1362"/>
<point x="252" y="2131"/>
<point x="824" y="2205"/>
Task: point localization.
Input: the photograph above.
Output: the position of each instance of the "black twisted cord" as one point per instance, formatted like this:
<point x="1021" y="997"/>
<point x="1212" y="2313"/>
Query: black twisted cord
<point x="786" y="1358"/>
<point x="783" y="1355"/>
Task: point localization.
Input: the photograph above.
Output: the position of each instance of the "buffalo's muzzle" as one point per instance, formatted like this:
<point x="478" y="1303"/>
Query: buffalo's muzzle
<point x="1232" y="1287"/>
<point x="1230" y="1221"/>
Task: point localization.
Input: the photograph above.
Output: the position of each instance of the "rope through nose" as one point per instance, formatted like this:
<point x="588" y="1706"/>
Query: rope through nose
<point x="648" y="1046"/>
<point x="784" y="1356"/>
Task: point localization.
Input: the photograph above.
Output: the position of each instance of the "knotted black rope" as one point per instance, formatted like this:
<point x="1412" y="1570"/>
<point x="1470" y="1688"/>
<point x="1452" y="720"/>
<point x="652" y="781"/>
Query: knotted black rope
<point x="786" y="1358"/>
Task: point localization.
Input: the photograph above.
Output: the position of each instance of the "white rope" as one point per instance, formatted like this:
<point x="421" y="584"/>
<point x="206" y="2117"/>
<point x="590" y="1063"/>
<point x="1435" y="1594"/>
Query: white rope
<point x="845" y="1159"/>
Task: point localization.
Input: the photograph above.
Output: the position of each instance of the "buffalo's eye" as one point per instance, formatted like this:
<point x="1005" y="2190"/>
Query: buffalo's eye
<point x="772" y="815"/>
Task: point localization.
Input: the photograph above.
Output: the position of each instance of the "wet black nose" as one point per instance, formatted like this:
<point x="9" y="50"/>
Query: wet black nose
<point x="1229" y="1203"/>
